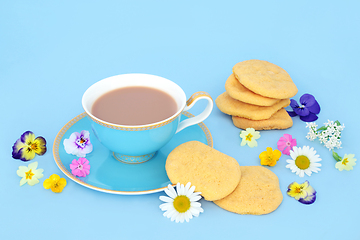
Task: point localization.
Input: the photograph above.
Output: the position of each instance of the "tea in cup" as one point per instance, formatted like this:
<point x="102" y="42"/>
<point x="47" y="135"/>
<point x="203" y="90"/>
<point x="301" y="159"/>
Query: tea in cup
<point x="134" y="115"/>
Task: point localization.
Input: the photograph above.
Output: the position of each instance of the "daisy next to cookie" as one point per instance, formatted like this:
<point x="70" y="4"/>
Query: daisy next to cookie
<point x="249" y="137"/>
<point x="181" y="205"/>
<point x="303" y="161"/>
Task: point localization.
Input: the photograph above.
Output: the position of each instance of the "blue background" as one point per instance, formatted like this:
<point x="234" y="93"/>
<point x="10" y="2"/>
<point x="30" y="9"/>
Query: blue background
<point x="52" y="51"/>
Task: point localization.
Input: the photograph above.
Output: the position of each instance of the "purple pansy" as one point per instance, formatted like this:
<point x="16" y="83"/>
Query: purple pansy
<point x="307" y="109"/>
<point x="27" y="146"/>
<point x="310" y="199"/>
<point x="303" y="192"/>
<point x="78" y="144"/>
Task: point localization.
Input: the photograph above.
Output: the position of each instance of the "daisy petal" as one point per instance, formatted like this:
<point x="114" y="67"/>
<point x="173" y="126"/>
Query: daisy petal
<point x="170" y="191"/>
<point x="175" y="205"/>
<point x="166" y="199"/>
<point x="196" y="198"/>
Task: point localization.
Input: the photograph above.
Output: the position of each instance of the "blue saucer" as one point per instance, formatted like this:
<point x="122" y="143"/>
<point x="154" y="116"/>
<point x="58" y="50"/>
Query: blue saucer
<point x="112" y="176"/>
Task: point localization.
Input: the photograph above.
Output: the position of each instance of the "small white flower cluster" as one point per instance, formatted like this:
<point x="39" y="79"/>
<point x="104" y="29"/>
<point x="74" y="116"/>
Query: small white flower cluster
<point x="329" y="135"/>
<point x="312" y="134"/>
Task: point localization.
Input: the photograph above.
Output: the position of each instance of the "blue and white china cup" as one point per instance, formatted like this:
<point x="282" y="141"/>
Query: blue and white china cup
<point x="138" y="144"/>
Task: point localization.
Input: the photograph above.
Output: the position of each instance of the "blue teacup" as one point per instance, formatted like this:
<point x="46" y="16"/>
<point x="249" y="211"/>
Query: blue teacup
<point x="139" y="143"/>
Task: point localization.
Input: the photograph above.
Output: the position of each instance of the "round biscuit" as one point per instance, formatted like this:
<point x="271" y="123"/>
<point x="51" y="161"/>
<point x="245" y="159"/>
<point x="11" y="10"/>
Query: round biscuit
<point x="213" y="173"/>
<point x="237" y="91"/>
<point x="257" y="193"/>
<point x="265" y="79"/>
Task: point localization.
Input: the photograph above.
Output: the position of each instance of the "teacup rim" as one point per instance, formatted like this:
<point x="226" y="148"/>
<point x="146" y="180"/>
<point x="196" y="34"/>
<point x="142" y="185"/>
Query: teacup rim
<point x="134" y="127"/>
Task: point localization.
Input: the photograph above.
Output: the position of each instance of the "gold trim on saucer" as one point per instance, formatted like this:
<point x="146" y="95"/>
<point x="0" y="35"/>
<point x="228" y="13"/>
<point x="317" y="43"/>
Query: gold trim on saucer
<point x="64" y="129"/>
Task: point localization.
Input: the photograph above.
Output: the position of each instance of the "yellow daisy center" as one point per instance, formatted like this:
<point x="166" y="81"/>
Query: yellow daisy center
<point x="249" y="137"/>
<point x="302" y="162"/>
<point x="29" y="174"/>
<point x="345" y="161"/>
<point x="181" y="203"/>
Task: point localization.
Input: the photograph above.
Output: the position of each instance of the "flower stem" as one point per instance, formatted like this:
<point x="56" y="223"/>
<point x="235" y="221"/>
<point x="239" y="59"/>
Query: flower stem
<point x="336" y="156"/>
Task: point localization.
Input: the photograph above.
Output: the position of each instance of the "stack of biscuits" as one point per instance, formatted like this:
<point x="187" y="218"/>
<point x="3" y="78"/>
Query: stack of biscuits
<point x="256" y="94"/>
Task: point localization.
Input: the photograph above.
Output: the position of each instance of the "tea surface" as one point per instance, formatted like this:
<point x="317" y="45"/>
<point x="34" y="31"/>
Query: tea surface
<point x="134" y="106"/>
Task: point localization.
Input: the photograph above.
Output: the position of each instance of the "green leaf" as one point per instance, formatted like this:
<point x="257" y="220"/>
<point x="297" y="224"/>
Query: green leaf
<point x="336" y="156"/>
<point x="322" y="128"/>
<point x="337" y="122"/>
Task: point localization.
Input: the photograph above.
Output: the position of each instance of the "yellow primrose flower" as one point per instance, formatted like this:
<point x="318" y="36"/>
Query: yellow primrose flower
<point x="249" y="137"/>
<point x="30" y="174"/>
<point x="346" y="163"/>
<point x="55" y="183"/>
<point x="269" y="157"/>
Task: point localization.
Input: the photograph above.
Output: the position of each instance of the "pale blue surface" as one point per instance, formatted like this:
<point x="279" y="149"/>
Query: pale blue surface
<point x="52" y="51"/>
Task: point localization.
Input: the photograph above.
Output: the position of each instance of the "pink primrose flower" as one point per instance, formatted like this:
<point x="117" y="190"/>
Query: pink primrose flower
<point x="286" y="143"/>
<point x="80" y="168"/>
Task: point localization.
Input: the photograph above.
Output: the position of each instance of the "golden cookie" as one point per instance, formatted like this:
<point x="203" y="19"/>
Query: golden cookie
<point x="237" y="91"/>
<point x="257" y="193"/>
<point x="233" y="107"/>
<point x="265" y="79"/>
<point x="280" y="120"/>
<point x="213" y="173"/>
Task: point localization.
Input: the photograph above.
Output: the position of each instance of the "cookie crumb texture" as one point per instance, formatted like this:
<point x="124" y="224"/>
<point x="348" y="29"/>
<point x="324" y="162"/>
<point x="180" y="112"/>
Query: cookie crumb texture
<point x="213" y="173"/>
<point x="237" y="91"/>
<point x="280" y="120"/>
<point x="258" y="192"/>
<point x="265" y="79"/>
<point x="230" y="106"/>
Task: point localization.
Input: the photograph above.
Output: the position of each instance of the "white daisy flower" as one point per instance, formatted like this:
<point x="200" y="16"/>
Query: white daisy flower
<point x="304" y="160"/>
<point x="181" y="205"/>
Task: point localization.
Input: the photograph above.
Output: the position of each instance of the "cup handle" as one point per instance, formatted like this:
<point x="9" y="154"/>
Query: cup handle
<point x="202" y="116"/>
